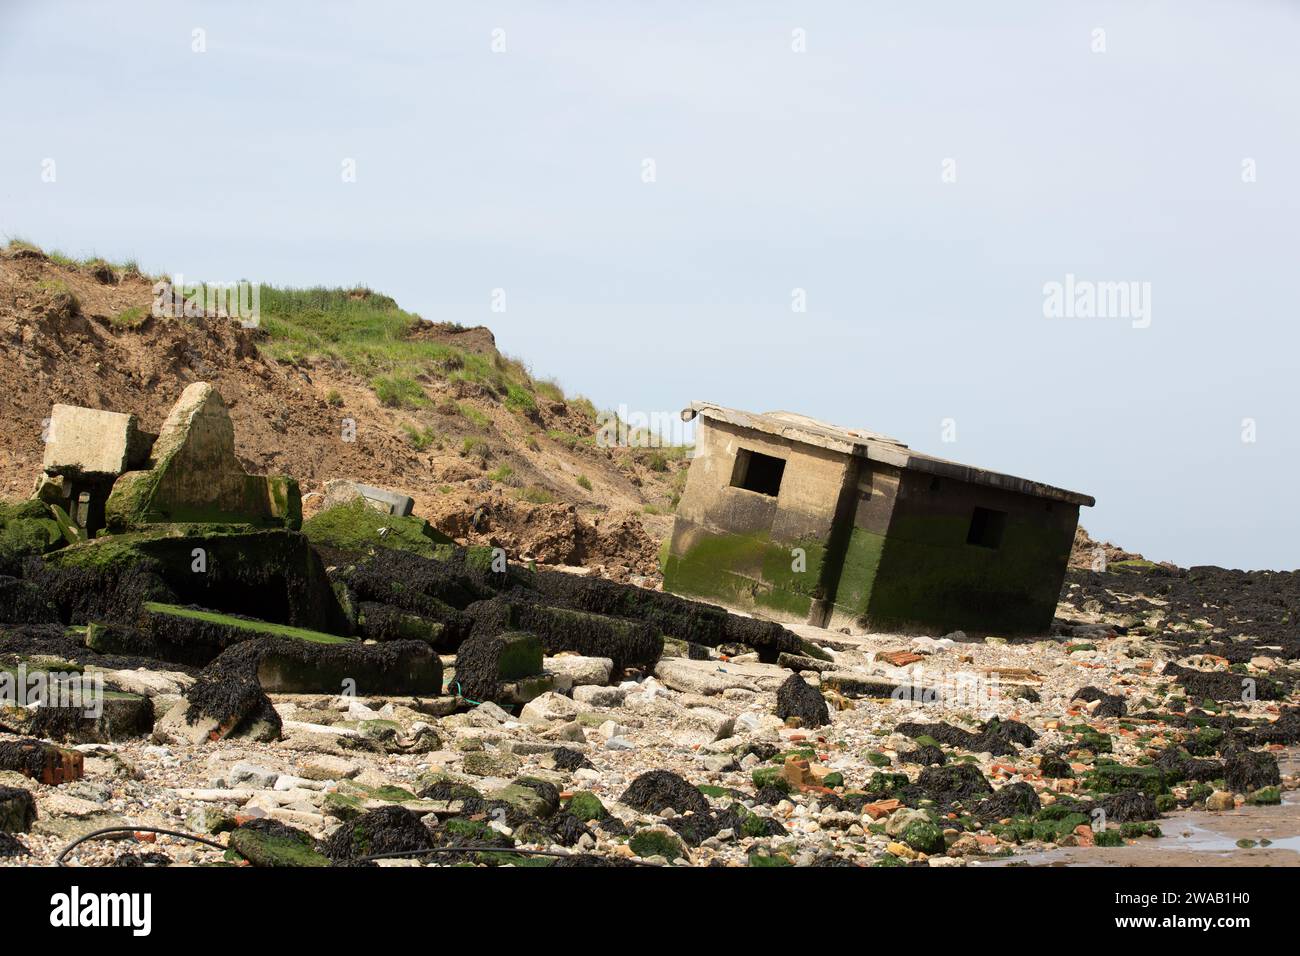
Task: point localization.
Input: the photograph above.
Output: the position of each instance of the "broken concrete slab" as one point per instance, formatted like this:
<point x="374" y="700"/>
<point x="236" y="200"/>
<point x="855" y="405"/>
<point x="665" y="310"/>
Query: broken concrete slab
<point x="698" y="726"/>
<point x="580" y="671"/>
<point x="146" y="683"/>
<point x="89" y="443"/>
<point x="195" y="476"/>
<point x="701" y="677"/>
<point x="627" y="643"/>
<point x="301" y="667"/>
<point x="191" y="635"/>
<point x="548" y="708"/>
<point x="327" y="767"/>
<point x="340" y="491"/>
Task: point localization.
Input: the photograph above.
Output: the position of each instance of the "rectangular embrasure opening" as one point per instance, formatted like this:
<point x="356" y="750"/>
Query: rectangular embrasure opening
<point x="755" y="471"/>
<point x="986" y="528"/>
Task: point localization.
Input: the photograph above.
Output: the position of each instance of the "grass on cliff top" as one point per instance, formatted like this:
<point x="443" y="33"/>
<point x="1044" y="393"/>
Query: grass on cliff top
<point x="371" y="334"/>
<point x="126" y="266"/>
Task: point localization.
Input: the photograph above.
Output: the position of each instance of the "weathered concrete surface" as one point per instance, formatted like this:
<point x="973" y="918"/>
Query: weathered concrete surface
<point x="194" y="475"/>
<point x="92" y="443"/>
<point x="340" y="491"/>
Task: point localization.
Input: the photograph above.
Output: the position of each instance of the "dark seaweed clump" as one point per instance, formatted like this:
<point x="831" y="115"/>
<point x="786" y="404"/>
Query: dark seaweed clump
<point x="797" y="698"/>
<point x="390" y="829"/>
<point x="997" y="737"/>
<point x="1129" y="806"/>
<point x="656" y="789"/>
<point x="1112" y="705"/>
<point x="1013" y="800"/>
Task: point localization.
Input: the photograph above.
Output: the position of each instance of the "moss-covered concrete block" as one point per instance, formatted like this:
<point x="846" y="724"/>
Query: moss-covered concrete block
<point x="357" y="527"/>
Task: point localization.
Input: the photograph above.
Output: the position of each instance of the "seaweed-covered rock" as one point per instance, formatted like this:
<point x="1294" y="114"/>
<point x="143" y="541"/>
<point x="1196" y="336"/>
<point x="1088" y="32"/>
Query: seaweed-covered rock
<point x="1177" y="765"/>
<point x="537" y="798"/>
<point x="1247" y="771"/>
<point x="955" y="783"/>
<point x="10" y="845"/>
<point x="1223" y="685"/>
<point x="120" y="716"/>
<point x="797" y="698"/>
<point x="1129" y="806"/>
<point x="548" y="792"/>
<point x="1012" y="731"/>
<point x="927" y="756"/>
<point x="267" y="842"/>
<point x="656" y="843"/>
<point x="389" y="829"/>
<point x="23" y="602"/>
<point x="586" y="806"/>
<point x="653" y="791"/>
<point x="1111" y="705"/>
<point x="1012" y="800"/>
<point x="1284" y="730"/>
<point x="383" y="622"/>
<point x="357" y="527"/>
<point x="1055" y="766"/>
<point x="997" y="737"/>
<point x="27" y="528"/>
<point x="566" y="758"/>
<point x="924" y="837"/>
<point x="1114" y="778"/>
<point x="449" y="790"/>
<point x="17" y="810"/>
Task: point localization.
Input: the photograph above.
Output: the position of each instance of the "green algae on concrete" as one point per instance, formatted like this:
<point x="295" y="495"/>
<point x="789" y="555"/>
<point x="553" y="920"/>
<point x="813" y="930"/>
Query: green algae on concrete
<point x="246" y="624"/>
<point x="355" y="526"/>
<point x="27" y="528"/>
<point x="749" y="571"/>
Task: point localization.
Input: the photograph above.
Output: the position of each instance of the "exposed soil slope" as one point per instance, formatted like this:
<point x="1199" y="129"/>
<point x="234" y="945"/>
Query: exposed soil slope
<point x="503" y="460"/>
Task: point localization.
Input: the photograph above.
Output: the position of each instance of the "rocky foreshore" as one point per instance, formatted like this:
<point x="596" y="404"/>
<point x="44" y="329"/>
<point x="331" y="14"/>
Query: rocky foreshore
<point x="895" y="750"/>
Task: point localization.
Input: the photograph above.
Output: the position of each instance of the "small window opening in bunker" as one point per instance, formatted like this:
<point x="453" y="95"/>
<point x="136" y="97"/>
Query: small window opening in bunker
<point x="986" y="527"/>
<point x="755" y="471"/>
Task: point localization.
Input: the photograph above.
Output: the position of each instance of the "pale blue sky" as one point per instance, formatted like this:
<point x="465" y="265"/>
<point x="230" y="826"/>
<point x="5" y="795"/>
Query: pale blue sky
<point x="776" y="170"/>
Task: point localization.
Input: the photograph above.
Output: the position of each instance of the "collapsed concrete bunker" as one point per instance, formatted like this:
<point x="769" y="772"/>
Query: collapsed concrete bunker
<point x="801" y="521"/>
